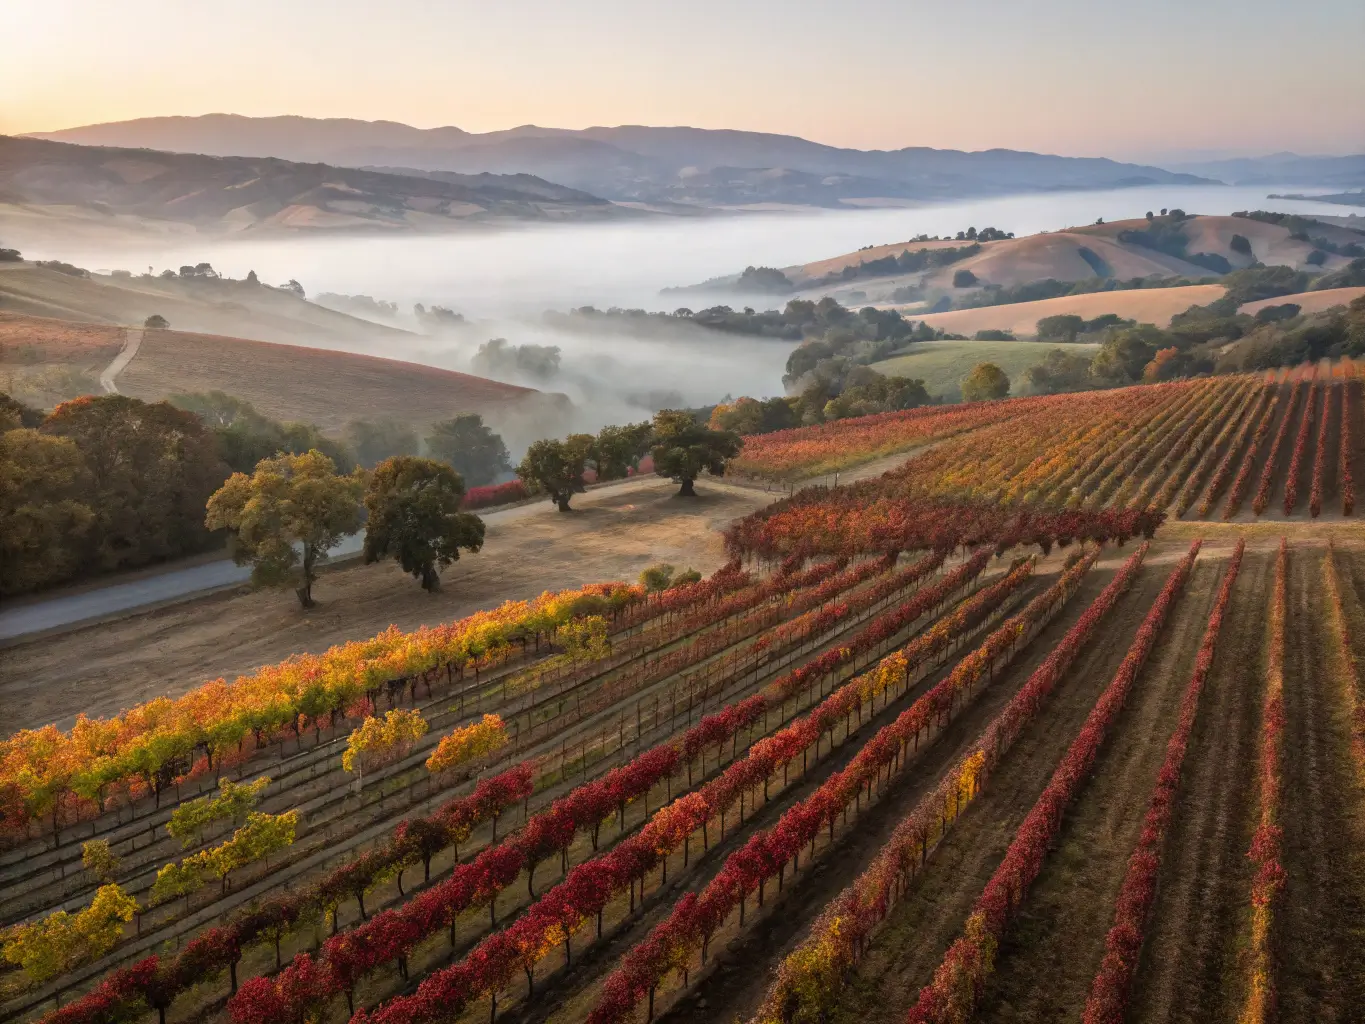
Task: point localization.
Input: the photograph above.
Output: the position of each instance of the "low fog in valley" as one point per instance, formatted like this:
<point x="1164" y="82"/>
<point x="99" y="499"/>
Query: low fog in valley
<point x="517" y="284"/>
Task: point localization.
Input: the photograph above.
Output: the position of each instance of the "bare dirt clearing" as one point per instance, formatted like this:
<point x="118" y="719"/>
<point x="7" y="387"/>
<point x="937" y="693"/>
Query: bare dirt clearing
<point x="613" y="534"/>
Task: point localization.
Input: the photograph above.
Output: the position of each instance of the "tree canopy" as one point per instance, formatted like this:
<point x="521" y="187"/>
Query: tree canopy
<point x="43" y="520"/>
<point x="472" y="449"/>
<point x="375" y="440"/>
<point x="150" y="469"/>
<point x="413" y="516"/>
<point x="683" y="448"/>
<point x="986" y="381"/>
<point x="617" y="450"/>
<point x="285" y="517"/>
<point x="246" y="436"/>
<point x="557" y="467"/>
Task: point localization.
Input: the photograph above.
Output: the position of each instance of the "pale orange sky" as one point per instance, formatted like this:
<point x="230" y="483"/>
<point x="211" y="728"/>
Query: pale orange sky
<point x="1139" y="80"/>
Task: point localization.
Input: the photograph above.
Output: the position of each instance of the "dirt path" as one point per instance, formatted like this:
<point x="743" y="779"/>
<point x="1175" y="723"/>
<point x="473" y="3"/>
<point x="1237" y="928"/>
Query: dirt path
<point x="1319" y="926"/>
<point x="1059" y="935"/>
<point x="904" y="955"/>
<point x="613" y="534"/>
<point x="132" y="340"/>
<point x="1190" y="955"/>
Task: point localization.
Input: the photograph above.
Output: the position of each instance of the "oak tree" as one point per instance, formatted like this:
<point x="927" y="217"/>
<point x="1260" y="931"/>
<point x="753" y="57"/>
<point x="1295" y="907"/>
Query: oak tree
<point x="683" y="448"/>
<point x="470" y="447"/>
<point x="286" y="516"/>
<point x="556" y="467"/>
<point x="413" y="515"/>
<point x="986" y="381"/>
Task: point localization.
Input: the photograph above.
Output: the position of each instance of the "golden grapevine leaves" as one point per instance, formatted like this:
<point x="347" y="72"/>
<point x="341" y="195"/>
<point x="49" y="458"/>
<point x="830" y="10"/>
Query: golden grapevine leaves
<point x="467" y="743"/>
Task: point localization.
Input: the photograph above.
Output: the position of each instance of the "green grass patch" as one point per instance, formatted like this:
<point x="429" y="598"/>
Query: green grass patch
<point x="943" y="364"/>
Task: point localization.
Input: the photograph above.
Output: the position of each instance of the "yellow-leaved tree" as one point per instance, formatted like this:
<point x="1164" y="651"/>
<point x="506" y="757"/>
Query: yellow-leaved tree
<point x="381" y="740"/>
<point x="467" y="743"/>
<point x="285" y="517"/>
<point x="60" y="942"/>
<point x="234" y="800"/>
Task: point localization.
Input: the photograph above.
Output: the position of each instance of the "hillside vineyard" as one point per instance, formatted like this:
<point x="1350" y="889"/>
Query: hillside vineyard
<point x="1058" y="719"/>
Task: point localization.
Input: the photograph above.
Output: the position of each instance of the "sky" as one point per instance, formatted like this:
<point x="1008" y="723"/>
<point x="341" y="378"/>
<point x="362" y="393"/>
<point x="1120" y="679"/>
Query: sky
<point x="1147" y="79"/>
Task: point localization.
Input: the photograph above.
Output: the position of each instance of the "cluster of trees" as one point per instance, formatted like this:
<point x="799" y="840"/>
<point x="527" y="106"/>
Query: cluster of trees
<point x="862" y="392"/>
<point x="789" y="324"/>
<point x="839" y="339"/>
<point x="1068" y="327"/>
<point x="291" y="510"/>
<point x="100" y="484"/>
<point x="245" y="436"/>
<point x="910" y="261"/>
<point x="108" y="483"/>
<point x="437" y="318"/>
<point x="1300" y="229"/>
<point x="498" y="359"/>
<point x="763" y="280"/>
<point x="680" y="445"/>
<point x="1197" y="342"/>
<point x="358" y="305"/>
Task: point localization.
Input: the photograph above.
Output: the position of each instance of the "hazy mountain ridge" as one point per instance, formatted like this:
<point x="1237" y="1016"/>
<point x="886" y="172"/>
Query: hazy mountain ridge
<point x="1284" y="169"/>
<point x="263" y="193"/>
<point x="634" y="162"/>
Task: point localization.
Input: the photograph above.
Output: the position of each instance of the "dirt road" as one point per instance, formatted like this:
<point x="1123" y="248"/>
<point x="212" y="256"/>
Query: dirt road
<point x="612" y="534"/>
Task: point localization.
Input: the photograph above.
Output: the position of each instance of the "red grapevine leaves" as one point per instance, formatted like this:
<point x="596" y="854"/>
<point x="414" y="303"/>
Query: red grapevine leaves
<point x="1110" y="991"/>
<point x="969" y="961"/>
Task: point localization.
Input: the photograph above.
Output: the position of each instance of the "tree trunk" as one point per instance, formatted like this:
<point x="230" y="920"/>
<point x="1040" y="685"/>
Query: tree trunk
<point x="431" y="579"/>
<point x="305" y="592"/>
<point x="686" y="491"/>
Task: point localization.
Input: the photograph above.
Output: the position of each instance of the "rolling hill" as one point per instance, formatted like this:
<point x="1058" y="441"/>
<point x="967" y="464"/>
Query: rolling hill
<point x="207" y="305"/>
<point x="1145" y="305"/>
<point x="236" y="194"/>
<point x="286" y="382"/>
<point x="1120" y="250"/>
<point x="635" y="163"/>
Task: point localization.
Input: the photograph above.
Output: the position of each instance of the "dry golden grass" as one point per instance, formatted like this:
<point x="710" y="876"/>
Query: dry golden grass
<point x="230" y="308"/>
<point x="1308" y="302"/>
<point x="836" y="263"/>
<point x="1146" y="305"/>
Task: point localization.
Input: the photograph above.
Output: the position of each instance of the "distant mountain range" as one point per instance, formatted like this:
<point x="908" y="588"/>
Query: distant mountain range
<point x="262" y="193"/>
<point x="1284" y="169"/>
<point x="661" y="167"/>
